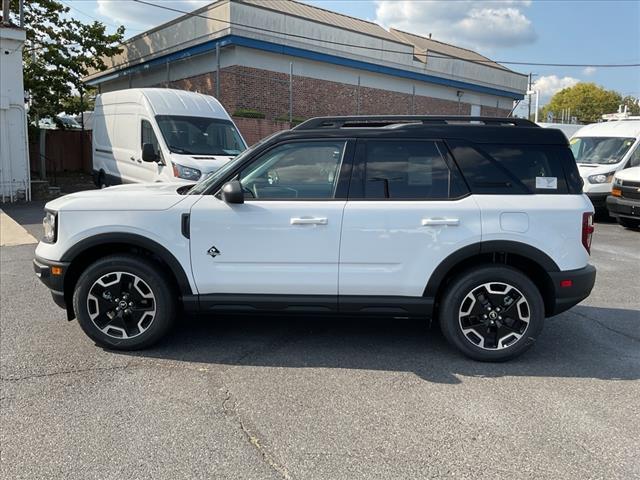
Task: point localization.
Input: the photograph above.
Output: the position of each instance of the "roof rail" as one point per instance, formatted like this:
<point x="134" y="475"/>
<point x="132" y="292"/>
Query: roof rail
<point x="373" y="121"/>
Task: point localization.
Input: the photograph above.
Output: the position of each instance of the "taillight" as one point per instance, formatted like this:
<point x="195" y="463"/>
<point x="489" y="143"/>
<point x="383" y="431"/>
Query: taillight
<point x="587" y="230"/>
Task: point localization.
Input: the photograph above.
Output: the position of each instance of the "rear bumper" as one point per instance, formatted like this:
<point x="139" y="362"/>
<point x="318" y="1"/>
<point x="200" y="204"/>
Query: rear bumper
<point x="579" y="288"/>
<point x="55" y="283"/>
<point x="623" y="207"/>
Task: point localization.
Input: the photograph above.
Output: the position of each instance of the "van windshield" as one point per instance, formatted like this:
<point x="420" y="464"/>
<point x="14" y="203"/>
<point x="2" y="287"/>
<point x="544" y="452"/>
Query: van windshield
<point x="200" y="135"/>
<point x="600" y="150"/>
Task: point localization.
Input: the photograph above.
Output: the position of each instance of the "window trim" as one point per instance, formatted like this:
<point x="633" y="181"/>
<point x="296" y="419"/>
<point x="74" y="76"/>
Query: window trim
<point x="344" y="175"/>
<point x="357" y="190"/>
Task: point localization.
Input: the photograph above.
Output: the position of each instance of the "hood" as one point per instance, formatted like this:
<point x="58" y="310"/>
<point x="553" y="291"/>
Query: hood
<point x="587" y="169"/>
<point x="204" y="163"/>
<point x="629" y="174"/>
<point x="131" y="197"/>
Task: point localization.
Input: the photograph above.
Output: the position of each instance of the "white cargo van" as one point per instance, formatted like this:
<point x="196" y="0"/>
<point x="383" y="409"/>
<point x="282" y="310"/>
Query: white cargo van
<point x="160" y="135"/>
<point x="602" y="149"/>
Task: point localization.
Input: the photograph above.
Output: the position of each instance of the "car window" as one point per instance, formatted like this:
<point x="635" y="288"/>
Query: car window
<point x="634" y="159"/>
<point x="537" y="167"/>
<point x="148" y="136"/>
<point x="299" y="170"/>
<point x="406" y="170"/>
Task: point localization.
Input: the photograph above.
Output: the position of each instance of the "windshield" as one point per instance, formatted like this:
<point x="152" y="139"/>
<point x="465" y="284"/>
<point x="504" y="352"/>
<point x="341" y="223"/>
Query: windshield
<point x="200" y="135"/>
<point x="600" y="150"/>
<point x="204" y="184"/>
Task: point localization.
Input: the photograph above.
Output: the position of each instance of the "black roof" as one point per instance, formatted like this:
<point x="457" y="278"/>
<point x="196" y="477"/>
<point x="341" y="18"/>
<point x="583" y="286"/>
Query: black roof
<point x="474" y="129"/>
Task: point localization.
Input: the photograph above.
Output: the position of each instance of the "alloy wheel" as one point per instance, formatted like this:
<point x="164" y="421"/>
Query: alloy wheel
<point x="494" y="316"/>
<point x="121" y="305"/>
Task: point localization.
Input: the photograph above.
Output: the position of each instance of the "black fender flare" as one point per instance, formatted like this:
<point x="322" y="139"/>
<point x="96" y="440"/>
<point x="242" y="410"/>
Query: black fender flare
<point x="493" y="246"/>
<point x="134" y="240"/>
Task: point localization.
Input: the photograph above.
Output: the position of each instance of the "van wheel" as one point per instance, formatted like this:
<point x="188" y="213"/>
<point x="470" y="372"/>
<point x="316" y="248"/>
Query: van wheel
<point x="492" y="313"/>
<point x="101" y="181"/>
<point x="124" y="302"/>
<point x="628" y="222"/>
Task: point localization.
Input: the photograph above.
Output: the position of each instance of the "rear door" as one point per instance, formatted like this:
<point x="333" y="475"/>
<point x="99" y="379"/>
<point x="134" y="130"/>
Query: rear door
<point x="408" y="209"/>
<point x="285" y="238"/>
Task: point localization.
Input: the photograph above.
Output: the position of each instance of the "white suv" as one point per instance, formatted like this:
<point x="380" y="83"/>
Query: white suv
<point x="479" y="222"/>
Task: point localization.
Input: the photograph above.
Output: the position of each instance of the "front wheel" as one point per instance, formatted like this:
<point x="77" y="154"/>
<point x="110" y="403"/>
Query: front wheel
<point x="492" y="313"/>
<point x="124" y="302"/>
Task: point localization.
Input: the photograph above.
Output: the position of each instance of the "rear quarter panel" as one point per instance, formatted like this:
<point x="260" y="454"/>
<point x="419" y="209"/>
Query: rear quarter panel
<point x="550" y="223"/>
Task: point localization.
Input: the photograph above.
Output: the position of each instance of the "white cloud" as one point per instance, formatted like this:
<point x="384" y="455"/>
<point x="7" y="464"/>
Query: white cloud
<point x="471" y="23"/>
<point x="588" y="71"/>
<point x="138" y="16"/>
<point x="551" y="84"/>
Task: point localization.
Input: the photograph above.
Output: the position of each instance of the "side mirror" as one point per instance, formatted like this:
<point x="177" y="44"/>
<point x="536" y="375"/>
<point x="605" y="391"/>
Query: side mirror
<point x="149" y="153"/>
<point x="232" y="192"/>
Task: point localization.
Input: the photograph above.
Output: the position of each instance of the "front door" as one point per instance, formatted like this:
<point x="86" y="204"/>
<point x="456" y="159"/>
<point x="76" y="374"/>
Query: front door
<point x="285" y="238"/>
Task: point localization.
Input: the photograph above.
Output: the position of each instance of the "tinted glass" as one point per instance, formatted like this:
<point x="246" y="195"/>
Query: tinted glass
<point x="538" y="168"/>
<point x="634" y="159"/>
<point x="405" y="170"/>
<point x="200" y="135"/>
<point x="300" y="170"/>
<point x="148" y="136"/>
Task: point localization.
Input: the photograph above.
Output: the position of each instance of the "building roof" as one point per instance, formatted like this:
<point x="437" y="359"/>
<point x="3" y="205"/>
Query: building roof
<point x="425" y="46"/>
<point x="320" y="15"/>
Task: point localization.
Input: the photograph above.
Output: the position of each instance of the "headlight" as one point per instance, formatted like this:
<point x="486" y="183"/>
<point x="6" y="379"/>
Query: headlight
<point x="602" y="178"/>
<point x="187" y="173"/>
<point x="49" y="222"/>
<point x="617" y="182"/>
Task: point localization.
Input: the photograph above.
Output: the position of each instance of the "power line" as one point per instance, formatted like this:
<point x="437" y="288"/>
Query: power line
<point x="364" y="47"/>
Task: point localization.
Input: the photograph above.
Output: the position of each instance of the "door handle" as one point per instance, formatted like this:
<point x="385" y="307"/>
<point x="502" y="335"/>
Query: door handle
<point x="433" y="222"/>
<point x="309" y="221"/>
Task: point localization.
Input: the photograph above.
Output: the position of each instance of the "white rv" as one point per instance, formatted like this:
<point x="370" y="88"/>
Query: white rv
<point x="160" y="135"/>
<point x="601" y="150"/>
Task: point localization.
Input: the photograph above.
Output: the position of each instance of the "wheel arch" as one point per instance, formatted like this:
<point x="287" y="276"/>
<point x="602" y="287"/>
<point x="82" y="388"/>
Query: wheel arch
<point x="91" y="249"/>
<point x="532" y="261"/>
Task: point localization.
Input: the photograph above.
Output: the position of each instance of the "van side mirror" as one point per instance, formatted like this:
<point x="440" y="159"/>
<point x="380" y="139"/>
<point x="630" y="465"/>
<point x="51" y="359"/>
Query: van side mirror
<point x="149" y="153"/>
<point x="232" y="192"/>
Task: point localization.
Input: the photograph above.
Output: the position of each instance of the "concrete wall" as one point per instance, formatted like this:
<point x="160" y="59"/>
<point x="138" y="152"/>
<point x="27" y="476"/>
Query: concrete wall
<point x="15" y="180"/>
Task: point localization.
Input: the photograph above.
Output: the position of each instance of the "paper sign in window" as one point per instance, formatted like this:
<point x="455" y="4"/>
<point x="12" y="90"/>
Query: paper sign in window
<point x="547" y="183"/>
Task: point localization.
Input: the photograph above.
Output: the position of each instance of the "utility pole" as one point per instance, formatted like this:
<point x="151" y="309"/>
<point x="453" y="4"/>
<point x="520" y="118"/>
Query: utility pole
<point x="530" y="92"/>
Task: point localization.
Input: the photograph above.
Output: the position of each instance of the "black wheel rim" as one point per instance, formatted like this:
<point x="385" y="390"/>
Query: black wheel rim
<point x="121" y="305"/>
<point x="494" y="316"/>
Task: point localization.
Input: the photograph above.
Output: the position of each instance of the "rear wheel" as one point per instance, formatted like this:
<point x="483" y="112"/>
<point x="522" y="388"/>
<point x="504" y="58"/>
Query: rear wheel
<point x="101" y="181"/>
<point x="492" y="313"/>
<point x="124" y="302"/>
<point x="629" y="222"/>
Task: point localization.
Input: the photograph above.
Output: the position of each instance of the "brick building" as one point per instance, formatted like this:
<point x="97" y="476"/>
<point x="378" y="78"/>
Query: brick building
<point x="281" y="59"/>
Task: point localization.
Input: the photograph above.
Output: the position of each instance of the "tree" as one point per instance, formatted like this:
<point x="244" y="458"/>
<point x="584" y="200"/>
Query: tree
<point x="587" y="102"/>
<point x="632" y="104"/>
<point x="60" y="51"/>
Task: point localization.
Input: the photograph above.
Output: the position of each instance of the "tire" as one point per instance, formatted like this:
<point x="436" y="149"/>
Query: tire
<point x="483" y="291"/>
<point x="123" y="302"/>
<point x="629" y="223"/>
<point x="101" y="181"/>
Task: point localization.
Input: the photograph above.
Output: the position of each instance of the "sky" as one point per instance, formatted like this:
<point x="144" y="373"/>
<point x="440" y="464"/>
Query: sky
<point x="539" y="31"/>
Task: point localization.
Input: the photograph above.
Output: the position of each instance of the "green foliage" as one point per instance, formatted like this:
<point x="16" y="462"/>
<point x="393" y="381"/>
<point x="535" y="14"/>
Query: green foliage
<point x="294" y="120"/>
<point x="248" y="113"/>
<point x="60" y="51"/>
<point x="75" y="105"/>
<point x="587" y="102"/>
<point x="632" y="103"/>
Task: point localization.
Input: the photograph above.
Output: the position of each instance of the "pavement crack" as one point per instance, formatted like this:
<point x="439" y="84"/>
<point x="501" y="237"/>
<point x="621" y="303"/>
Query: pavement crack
<point x="606" y="327"/>
<point x="65" y="372"/>
<point x="230" y="408"/>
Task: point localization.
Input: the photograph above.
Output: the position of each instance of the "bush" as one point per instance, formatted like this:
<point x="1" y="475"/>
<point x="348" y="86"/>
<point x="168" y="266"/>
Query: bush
<point x="294" y="120"/>
<point x="248" y="113"/>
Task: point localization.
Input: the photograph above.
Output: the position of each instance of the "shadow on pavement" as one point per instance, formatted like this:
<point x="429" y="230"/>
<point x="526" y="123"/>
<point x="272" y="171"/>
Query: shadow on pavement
<point x="576" y="344"/>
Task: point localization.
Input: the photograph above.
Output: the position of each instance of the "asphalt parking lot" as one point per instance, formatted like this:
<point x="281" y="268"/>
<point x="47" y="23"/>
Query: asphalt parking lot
<point x="255" y="398"/>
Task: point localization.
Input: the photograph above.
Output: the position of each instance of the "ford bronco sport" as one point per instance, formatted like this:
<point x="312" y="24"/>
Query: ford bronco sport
<point x="477" y="222"/>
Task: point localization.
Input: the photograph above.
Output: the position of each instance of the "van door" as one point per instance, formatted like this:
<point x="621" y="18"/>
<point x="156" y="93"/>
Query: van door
<point x="149" y="171"/>
<point x="408" y="209"/>
<point x="125" y="145"/>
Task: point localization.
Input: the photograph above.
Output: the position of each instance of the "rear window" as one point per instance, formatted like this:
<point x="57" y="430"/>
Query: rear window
<point x="512" y="169"/>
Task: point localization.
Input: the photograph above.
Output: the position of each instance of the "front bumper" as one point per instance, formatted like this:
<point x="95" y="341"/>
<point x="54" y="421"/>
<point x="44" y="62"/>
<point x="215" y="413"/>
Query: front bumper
<point x="623" y="207"/>
<point x="571" y="287"/>
<point x="55" y="282"/>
